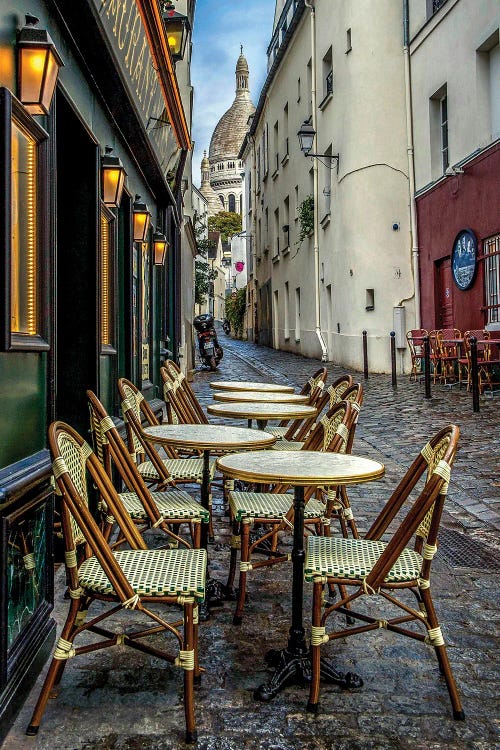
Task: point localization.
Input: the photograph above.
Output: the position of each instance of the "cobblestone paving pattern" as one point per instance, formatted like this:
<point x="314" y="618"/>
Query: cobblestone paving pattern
<point x="122" y="700"/>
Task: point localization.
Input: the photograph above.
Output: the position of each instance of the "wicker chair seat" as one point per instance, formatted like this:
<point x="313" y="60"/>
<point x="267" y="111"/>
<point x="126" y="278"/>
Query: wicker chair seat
<point x="287" y="445"/>
<point x="278" y="431"/>
<point x="353" y="559"/>
<point x="171" y="504"/>
<point x="181" y="469"/>
<point x="151" y="573"/>
<point x="269" y="505"/>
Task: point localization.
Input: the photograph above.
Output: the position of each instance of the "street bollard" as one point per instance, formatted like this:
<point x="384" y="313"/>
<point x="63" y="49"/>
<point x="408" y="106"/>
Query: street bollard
<point x="393" y="359"/>
<point x="365" y="355"/>
<point x="427" y="366"/>
<point x="474" y="373"/>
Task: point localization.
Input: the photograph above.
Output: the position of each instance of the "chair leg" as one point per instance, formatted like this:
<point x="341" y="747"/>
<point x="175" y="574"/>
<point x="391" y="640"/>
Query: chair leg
<point x="442" y="657"/>
<point x="312" y="704"/>
<point x="55" y="672"/>
<point x="235" y="546"/>
<point x="244" y="560"/>
<point x="189" y="645"/>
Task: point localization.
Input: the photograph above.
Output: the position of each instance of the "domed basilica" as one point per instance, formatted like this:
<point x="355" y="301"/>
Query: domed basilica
<point x="221" y="182"/>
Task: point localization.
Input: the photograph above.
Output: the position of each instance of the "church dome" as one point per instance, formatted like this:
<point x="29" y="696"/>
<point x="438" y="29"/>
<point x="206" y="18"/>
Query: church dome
<point x="232" y="127"/>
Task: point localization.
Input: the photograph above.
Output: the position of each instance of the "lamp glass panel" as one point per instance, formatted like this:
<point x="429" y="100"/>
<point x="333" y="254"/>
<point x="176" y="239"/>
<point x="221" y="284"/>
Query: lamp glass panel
<point x="113" y="179"/>
<point x="50" y="80"/>
<point x="33" y="62"/>
<point x="24" y="302"/>
<point x="174" y="36"/>
<point x="160" y="247"/>
<point x="141" y="224"/>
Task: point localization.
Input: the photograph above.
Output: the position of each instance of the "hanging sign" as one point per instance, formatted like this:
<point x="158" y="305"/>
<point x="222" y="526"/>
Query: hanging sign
<point x="464" y="259"/>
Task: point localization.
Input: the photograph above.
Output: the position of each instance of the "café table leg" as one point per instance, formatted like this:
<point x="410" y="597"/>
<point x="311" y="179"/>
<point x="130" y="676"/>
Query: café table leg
<point x="293" y="663"/>
<point x="214" y="590"/>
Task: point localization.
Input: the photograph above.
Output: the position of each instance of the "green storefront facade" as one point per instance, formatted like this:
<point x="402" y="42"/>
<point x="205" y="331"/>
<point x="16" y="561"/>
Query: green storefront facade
<point x="82" y="302"/>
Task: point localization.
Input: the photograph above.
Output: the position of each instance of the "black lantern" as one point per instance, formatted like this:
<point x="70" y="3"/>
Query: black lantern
<point x="113" y="178"/>
<point x="306" y="136"/>
<point x="177" y="27"/>
<point x="160" y="247"/>
<point x="38" y="67"/>
<point x="142" y="218"/>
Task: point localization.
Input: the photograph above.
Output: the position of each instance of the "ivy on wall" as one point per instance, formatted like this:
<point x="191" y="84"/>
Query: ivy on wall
<point x="235" y="311"/>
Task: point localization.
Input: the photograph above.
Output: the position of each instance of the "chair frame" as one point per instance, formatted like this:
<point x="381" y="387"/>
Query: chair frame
<point x="421" y="520"/>
<point x="80" y="529"/>
<point x="113" y="452"/>
<point x="241" y="539"/>
<point x="416" y="351"/>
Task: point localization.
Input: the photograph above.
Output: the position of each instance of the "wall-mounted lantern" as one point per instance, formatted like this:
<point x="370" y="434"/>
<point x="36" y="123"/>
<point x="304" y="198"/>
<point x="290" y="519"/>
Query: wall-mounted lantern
<point x="160" y="247"/>
<point x="306" y="136"/>
<point x="177" y="27"/>
<point x="113" y="178"/>
<point x="38" y="67"/>
<point x="142" y="217"/>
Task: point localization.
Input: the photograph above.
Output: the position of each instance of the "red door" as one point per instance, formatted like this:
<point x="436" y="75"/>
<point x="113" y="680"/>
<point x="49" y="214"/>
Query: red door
<point x="445" y="295"/>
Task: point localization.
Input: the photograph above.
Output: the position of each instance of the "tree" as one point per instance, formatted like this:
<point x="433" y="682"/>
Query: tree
<point x="227" y="223"/>
<point x="204" y="274"/>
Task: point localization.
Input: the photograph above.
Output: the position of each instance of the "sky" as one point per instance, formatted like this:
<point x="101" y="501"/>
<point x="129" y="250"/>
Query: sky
<point x="220" y="26"/>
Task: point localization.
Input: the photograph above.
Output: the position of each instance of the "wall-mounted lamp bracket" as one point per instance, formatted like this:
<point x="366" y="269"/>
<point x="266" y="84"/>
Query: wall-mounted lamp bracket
<point x="157" y="119"/>
<point x="330" y="157"/>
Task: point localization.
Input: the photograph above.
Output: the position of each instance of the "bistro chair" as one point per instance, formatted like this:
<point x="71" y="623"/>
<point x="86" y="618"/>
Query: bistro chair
<point x="274" y="510"/>
<point x="182" y="405"/>
<point x="448" y="346"/>
<point x="434" y="354"/>
<point x="487" y="358"/>
<point x="299" y="429"/>
<point x="415" y="342"/>
<point x="131" y="579"/>
<point x="370" y="568"/>
<point x="313" y="388"/>
<point x="151" y="466"/>
<point x="149" y="510"/>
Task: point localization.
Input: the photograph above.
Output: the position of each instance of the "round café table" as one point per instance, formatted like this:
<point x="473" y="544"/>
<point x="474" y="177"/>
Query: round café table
<point x="260" y="396"/>
<point x="207" y="437"/>
<point x="249" y="385"/>
<point x="304" y="469"/>
<point x="261" y="412"/>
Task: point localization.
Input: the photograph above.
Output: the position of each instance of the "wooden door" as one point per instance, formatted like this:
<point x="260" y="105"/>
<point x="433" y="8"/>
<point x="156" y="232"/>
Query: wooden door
<point x="445" y="318"/>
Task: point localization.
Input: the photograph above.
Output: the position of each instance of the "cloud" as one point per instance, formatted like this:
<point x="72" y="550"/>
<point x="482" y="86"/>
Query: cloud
<point x="219" y="29"/>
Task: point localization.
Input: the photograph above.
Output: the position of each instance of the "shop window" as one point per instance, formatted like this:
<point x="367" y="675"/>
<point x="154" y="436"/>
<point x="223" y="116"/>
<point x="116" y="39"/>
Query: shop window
<point x="23" y="159"/>
<point x="492" y="280"/>
<point x="107" y="317"/>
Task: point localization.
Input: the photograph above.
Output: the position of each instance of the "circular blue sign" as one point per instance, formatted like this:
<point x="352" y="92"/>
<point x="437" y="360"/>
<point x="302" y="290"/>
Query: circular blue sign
<point x="464" y="259"/>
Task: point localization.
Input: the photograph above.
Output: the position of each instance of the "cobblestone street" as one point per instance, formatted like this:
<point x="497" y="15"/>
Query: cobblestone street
<point x="123" y="700"/>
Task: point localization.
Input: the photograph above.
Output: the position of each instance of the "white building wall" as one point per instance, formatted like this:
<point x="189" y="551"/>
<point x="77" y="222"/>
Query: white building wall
<point x="358" y="248"/>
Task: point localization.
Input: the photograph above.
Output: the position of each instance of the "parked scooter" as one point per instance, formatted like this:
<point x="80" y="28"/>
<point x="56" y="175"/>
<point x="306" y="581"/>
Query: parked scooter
<point x="210" y="350"/>
<point x="226" y="326"/>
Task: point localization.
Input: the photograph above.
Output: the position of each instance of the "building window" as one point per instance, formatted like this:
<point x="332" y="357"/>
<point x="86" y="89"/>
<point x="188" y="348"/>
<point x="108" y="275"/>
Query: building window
<point x="23" y="228"/>
<point x="276" y="233"/>
<point x="327" y="76"/>
<point x="444" y="133"/>
<point x="221" y="198"/>
<point x="433" y="6"/>
<point x="276" y="147"/>
<point x="107" y="229"/>
<point x="231" y="203"/>
<point x="287" y="312"/>
<point x="297" y="314"/>
<point x="348" y="41"/>
<point x="492" y="278"/>
<point x="286" y="222"/>
<point x="298" y="90"/>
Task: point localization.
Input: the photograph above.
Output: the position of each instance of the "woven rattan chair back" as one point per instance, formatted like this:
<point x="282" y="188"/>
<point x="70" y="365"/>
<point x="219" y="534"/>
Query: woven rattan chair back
<point x="133" y="406"/>
<point x="354" y="394"/>
<point x="182" y="404"/>
<point x="332" y="432"/>
<point x="415" y="342"/>
<point x="300" y="428"/>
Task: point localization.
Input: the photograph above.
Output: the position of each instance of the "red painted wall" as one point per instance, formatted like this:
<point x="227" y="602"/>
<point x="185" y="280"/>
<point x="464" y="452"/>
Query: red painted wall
<point x="467" y="201"/>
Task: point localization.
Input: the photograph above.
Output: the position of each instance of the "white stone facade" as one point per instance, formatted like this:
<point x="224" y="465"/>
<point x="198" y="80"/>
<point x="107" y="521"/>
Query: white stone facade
<point x="316" y="296"/>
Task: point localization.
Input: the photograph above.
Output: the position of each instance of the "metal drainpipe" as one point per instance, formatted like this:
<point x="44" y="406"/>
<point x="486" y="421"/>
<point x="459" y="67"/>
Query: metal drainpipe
<point x="317" y="303"/>
<point x="411" y="164"/>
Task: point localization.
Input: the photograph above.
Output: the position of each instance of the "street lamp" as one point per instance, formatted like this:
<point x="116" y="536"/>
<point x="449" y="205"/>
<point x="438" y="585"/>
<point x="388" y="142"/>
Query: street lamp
<point x="178" y="27"/>
<point x="38" y="66"/>
<point x="306" y="136"/>
<point x="160" y="247"/>
<point x="113" y="178"/>
<point x="142" y="218"/>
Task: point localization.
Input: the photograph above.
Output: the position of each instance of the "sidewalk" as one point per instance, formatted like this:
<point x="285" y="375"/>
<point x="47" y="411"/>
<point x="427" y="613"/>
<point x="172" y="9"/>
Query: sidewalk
<point x="122" y="700"/>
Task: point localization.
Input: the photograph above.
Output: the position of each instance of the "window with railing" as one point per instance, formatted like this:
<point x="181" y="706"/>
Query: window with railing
<point x="491" y="250"/>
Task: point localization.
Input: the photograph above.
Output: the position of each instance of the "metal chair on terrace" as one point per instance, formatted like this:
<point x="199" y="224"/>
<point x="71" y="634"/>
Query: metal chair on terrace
<point x="415" y="342"/>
